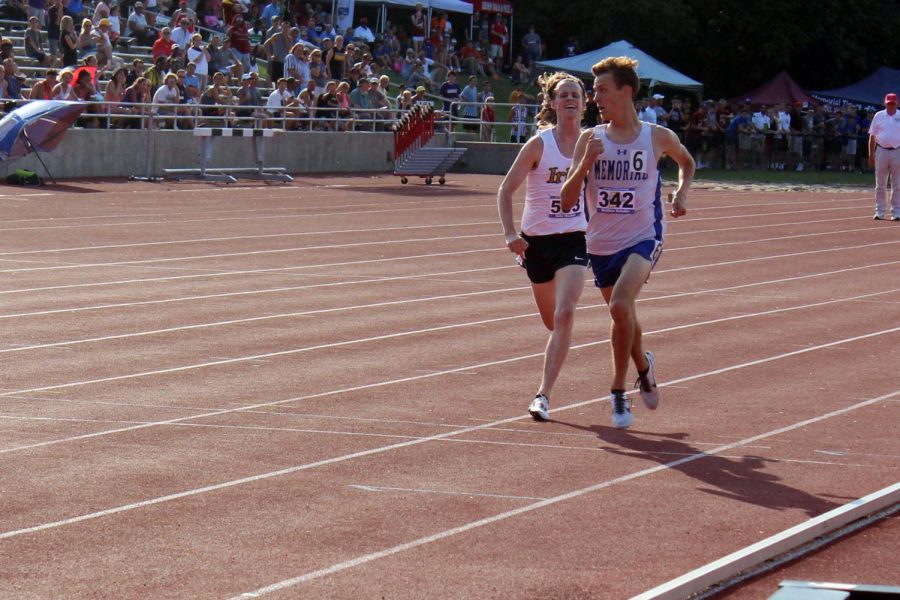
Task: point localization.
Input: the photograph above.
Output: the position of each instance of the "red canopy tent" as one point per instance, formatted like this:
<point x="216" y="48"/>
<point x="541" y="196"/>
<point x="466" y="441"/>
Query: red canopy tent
<point x="780" y="89"/>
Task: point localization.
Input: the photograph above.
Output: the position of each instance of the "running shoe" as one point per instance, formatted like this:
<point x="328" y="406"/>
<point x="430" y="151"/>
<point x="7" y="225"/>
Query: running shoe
<point x="646" y="384"/>
<point x="621" y="411"/>
<point x="878" y="217"/>
<point x="895" y="218"/>
<point x="540" y="408"/>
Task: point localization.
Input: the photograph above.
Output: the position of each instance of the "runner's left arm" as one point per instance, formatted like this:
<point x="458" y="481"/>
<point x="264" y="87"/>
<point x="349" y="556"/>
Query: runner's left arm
<point x="668" y="143"/>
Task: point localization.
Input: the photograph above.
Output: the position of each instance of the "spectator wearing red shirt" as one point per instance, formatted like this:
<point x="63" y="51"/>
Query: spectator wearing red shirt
<point x="499" y="38"/>
<point x="239" y="37"/>
<point x="163" y="44"/>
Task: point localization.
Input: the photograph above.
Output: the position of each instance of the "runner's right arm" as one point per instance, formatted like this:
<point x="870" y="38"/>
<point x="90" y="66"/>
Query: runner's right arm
<point x="587" y="149"/>
<point x="528" y="158"/>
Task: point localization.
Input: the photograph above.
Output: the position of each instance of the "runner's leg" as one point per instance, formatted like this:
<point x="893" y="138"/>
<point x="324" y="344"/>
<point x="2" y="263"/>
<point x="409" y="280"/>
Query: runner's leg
<point x="545" y="298"/>
<point x="569" y="285"/>
<point x="621" y="299"/>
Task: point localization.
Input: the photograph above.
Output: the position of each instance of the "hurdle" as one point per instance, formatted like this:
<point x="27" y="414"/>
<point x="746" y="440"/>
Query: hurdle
<point x="224" y="174"/>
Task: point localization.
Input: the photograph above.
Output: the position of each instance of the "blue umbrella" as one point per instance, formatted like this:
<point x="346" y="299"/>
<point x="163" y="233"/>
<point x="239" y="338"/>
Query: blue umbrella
<point x="38" y="125"/>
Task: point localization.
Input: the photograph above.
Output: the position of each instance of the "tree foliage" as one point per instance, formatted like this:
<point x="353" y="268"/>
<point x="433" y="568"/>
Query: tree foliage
<point x="729" y="45"/>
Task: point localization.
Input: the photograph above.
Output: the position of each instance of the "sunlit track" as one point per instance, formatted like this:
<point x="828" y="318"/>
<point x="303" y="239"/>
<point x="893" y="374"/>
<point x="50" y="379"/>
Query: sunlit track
<point x="403" y="379"/>
<point x="349" y="415"/>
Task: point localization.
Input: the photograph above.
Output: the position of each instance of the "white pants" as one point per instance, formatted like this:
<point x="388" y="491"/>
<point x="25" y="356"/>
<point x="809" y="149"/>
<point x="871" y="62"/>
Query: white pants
<point x="887" y="162"/>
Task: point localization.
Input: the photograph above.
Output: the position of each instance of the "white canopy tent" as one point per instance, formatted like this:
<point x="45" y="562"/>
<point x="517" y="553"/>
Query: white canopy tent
<point x="457" y="6"/>
<point x="651" y="71"/>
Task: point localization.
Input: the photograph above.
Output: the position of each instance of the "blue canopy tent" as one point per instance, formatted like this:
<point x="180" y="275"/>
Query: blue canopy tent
<point x="869" y="92"/>
<point x="651" y="71"/>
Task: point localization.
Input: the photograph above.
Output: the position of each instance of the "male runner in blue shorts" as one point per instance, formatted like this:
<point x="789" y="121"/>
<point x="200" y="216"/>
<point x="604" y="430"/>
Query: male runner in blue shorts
<point x="625" y="233"/>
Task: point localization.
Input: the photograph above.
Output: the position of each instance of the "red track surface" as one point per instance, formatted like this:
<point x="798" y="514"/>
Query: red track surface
<point x="322" y="387"/>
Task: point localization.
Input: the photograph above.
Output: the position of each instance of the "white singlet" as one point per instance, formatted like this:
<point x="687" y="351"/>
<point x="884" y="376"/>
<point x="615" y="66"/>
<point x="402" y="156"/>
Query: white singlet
<point x="543" y="214"/>
<point x="627" y="208"/>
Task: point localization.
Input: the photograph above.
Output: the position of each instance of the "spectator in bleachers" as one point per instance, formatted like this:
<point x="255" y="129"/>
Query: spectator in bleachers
<point x="518" y="115"/>
<point x="15" y="79"/>
<point x="84" y="89"/>
<point x="14" y="10"/>
<point x="166" y="95"/>
<point x="182" y="34"/>
<point x="101" y="11"/>
<point x="519" y="72"/>
<point x="217" y="98"/>
<point x="470" y="60"/>
<point x="34" y="44"/>
<point x="408" y="66"/>
<point x="103" y="44"/>
<point x="63" y="89"/>
<point x="43" y="89"/>
<point x="114" y="94"/>
<point x="278" y="103"/>
<point x="163" y="44"/>
<point x="296" y="65"/>
<point x="139" y="27"/>
<point x="219" y="55"/>
<point x="417" y="27"/>
<point x="199" y="56"/>
<point x="136" y="70"/>
<point x="156" y="74"/>
<point x="487" y="119"/>
<point x="137" y="93"/>
<point x="86" y="45"/>
<point x="277" y="48"/>
<point x="177" y="59"/>
<point x="360" y="102"/>
<point x="470" y="109"/>
<point x="317" y="71"/>
<point x="450" y="91"/>
<point x="327" y="106"/>
<point x="336" y="59"/>
<point x="239" y="38"/>
<point x="248" y="95"/>
<point x="115" y="24"/>
<point x="363" y="33"/>
<point x="68" y="41"/>
<point x="184" y="11"/>
<point x="54" y="14"/>
<point x="345" y="115"/>
<point x="76" y="7"/>
<point x="531" y="45"/>
<point x="4" y="85"/>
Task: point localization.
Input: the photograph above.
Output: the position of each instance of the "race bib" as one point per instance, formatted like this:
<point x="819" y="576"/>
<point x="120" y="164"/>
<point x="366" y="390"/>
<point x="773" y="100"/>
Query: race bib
<point x="616" y="200"/>
<point x="556" y="211"/>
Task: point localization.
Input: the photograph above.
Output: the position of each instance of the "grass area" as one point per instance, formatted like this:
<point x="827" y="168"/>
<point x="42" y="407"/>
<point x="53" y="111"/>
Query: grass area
<point x="778" y="177"/>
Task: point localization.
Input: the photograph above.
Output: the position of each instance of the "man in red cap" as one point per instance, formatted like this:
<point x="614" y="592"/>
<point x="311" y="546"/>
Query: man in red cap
<point x="884" y="155"/>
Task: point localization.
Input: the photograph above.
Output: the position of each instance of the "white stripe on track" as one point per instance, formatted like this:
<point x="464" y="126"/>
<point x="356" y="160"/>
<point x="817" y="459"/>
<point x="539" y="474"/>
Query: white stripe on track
<point x="278" y="270"/>
<point x="402" y="379"/>
<point x="249" y="237"/>
<point x="441" y="436"/>
<point x="330" y="214"/>
<point x="366" y="558"/>
<point x="251" y="253"/>
<point x="365" y="282"/>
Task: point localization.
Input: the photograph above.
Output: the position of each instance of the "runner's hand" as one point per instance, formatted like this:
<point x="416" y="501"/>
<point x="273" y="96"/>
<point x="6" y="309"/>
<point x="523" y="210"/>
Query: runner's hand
<point x="679" y="207"/>
<point x="517" y="245"/>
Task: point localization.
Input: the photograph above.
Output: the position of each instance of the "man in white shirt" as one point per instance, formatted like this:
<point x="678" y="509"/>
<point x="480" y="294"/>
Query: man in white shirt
<point x="647" y="113"/>
<point x="278" y="102"/>
<point x="884" y="155"/>
<point x="182" y="34"/>
<point x="761" y="125"/>
<point x="167" y="95"/>
<point x="783" y="132"/>
<point x="362" y="31"/>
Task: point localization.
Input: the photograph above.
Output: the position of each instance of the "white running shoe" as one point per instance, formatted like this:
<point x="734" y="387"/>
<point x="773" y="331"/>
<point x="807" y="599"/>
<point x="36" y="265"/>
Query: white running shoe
<point x="540" y="408"/>
<point x="647" y="384"/>
<point x="621" y="411"/>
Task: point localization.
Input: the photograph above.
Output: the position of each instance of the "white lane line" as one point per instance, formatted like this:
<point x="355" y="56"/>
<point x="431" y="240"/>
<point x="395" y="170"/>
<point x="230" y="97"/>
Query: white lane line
<point x="24" y="348"/>
<point x="375" y="280"/>
<point x="793" y="236"/>
<point x="370" y="386"/>
<point x="250" y="253"/>
<point x="228" y="273"/>
<point x="292" y="210"/>
<point x="304" y="313"/>
<point x="366" y="558"/>
<point x="250" y="237"/>
<point x="775" y="214"/>
<point x="363" y="230"/>
<point x="449" y="434"/>
<point x="329" y="214"/>
<point x="728" y="566"/>
<point x="679" y="232"/>
<point x="258" y="292"/>
<point x="261" y="252"/>
<point x="381" y="488"/>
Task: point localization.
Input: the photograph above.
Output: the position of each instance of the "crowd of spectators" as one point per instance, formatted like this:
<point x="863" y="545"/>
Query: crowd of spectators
<point x="203" y="57"/>
<point x="786" y="136"/>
